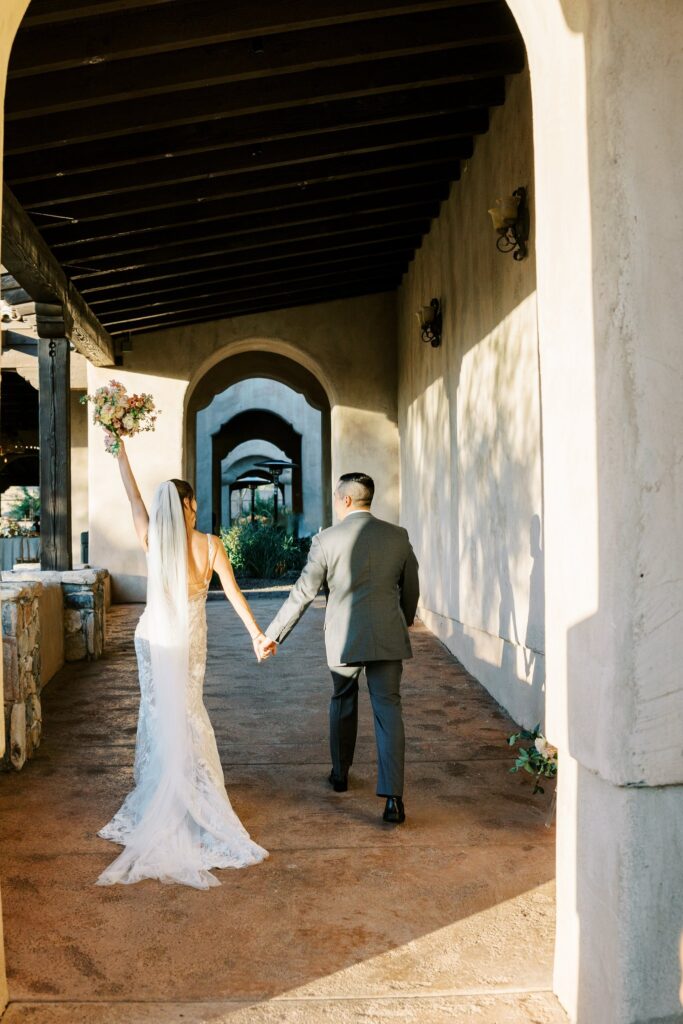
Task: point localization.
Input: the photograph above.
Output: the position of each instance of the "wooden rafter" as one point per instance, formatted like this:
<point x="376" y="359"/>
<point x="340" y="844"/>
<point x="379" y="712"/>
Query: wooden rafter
<point x="29" y="260"/>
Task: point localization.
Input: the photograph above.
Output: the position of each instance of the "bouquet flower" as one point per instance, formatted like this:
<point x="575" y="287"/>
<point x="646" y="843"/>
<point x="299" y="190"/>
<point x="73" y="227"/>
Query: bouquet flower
<point x="121" y="414"/>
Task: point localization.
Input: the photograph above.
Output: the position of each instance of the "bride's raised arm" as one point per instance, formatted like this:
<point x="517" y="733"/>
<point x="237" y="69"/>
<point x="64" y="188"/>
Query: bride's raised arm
<point x="137" y="505"/>
<point x="262" y="646"/>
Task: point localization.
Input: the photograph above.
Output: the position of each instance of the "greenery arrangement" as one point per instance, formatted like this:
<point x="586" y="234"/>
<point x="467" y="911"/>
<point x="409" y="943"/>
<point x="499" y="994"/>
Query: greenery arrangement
<point x="539" y="759"/>
<point x="28" y="506"/>
<point x="17" y="519"/>
<point x="263" y="550"/>
<point x="264" y="508"/>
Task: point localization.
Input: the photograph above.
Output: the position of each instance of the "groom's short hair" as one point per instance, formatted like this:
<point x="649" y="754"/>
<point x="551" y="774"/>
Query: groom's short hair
<point x="359" y="487"/>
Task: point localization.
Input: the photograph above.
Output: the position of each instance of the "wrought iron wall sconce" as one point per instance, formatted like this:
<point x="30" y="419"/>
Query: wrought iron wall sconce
<point x="430" y="321"/>
<point x="510" y="217"/>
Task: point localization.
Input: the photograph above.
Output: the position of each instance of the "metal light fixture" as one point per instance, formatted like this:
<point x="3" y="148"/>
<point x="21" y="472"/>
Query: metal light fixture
<point x="510" y="217"/>
<point x="430" y="321"/>
<point x="275" y="467"/>
<point x="253" y="483"/>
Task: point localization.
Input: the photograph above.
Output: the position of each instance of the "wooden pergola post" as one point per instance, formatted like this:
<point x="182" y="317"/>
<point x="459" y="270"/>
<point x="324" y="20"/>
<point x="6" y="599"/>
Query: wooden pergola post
<point x="62" y="318"/>
<point x="55" y="438"/>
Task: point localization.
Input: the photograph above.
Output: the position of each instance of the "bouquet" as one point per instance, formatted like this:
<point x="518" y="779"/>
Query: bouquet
<point x="120" y="414"/>
<point x="539" y="759"/>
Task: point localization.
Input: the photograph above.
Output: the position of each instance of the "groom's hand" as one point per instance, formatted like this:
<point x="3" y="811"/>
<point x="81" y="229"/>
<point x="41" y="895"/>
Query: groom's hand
<point x="264" y="647"/>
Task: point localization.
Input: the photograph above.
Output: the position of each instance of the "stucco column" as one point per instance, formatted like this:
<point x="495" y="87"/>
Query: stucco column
<point x="604" y="88"/>
<point x="11" y="13"/>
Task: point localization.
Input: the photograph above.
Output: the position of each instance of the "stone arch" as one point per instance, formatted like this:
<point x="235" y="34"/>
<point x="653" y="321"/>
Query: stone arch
<point x="264" y="425"/>
<point x="272" y="360"/>
<point x="240" y="461"/>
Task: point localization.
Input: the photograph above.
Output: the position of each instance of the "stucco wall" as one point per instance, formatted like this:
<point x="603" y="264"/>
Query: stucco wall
<point x="11" y="13"/>
<point x="284" y="402"/>
<point x="470" y="426"/>
<point x="348" y="345"/>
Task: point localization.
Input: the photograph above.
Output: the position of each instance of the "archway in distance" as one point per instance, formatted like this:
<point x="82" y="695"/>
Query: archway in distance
<point x="247" y="365"/>
<point x="249" y="425"/>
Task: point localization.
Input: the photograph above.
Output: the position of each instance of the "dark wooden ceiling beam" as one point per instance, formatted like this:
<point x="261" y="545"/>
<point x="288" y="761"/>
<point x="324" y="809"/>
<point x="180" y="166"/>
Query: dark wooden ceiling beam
<point x="251" y="227"/>
<point x="428" y="200"/>
<point x="400" y="239"/>
<point x="51" y="12"/>
<point x="29" y="260"/>
<point x="247" y="279"/>
<point x="126" y="33"/>
<point x="106" y="83"/>
<point x="279" y="286"/>
<point x="431" y="180"/>
<point x="247" y="246"/>
<point x="250" y="97"/>
<point x="299" y="153"/>
<point x="284" y="301"/>
<point x="261" y="307"/>
<point x="297" y="178"/>
<point x="466" y="103"/>
<point x="305" y="265"/>
<point x="248" y="241"/>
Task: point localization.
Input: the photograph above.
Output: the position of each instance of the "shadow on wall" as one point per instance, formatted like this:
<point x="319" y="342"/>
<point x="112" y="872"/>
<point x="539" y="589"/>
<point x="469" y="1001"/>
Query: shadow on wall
<point x="470" y="423"/>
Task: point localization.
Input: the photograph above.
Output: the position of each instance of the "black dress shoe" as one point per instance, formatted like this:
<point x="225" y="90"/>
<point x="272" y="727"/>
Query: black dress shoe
<point x="338" y="785"/>
<point x="394" y="811"/>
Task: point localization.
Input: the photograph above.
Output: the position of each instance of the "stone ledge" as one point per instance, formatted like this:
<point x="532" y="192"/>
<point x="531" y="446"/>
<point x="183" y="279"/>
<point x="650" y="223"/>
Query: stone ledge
<point x="83" y="577"/>
<point x="83" y="597"/>
<point x="21" y="628"/>
<point x="10" y="591"/>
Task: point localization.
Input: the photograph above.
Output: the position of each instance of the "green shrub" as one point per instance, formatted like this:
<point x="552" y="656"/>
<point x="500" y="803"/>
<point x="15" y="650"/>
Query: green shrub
<point x="262" y="550"/>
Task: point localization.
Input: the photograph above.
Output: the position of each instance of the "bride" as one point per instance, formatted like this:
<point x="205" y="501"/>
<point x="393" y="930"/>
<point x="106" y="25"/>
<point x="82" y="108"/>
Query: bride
<point x="177" y="823"/>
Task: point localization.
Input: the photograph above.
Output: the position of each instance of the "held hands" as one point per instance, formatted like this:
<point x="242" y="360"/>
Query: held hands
<point x="264" y="647"/>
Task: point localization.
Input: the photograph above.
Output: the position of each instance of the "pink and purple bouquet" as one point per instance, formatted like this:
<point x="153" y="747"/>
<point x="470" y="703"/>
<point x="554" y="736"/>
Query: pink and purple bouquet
<point x="121" y="414"/>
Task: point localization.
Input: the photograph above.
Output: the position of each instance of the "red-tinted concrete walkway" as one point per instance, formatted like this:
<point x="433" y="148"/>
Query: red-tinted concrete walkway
<point x="446" y="919"/>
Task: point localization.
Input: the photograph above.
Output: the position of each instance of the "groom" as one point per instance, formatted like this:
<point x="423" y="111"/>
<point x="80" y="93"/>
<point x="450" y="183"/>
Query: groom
<point x="370" y="572"/>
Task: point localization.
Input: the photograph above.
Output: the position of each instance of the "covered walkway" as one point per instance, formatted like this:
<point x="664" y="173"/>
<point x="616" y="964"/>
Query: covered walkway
<point x="446" y="920"/>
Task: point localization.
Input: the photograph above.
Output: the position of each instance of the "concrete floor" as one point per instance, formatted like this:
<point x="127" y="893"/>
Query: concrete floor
<point x="448" y="918"/>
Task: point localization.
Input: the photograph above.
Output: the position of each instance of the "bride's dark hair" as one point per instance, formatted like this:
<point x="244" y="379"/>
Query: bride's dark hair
<point x="184" y="490"/>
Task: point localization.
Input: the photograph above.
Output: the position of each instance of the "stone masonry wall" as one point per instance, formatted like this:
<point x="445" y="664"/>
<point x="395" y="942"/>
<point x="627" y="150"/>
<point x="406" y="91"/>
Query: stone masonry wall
<point x="84" y="593"/>
<point x="21" y="634"/>
<point x="84" y="614"/>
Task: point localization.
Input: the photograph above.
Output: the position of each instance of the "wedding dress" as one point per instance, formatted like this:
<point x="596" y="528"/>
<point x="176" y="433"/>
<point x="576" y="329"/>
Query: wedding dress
<point x="177" y="823"/>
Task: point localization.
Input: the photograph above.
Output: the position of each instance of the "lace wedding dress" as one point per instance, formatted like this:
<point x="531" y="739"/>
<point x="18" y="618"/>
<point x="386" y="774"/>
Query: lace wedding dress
<point x="177" y="823"/>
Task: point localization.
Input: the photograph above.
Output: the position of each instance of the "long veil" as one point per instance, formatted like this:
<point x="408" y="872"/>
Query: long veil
<point x="164" y="843"/>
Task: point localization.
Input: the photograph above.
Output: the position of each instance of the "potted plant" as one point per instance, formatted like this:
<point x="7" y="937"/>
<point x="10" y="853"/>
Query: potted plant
<point x="537" y="757"/>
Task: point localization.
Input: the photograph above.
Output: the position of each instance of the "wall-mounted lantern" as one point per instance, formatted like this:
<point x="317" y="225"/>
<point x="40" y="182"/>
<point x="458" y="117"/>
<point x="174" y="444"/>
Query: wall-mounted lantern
<point x="510" y="217"/>
<point x="430" y="321"/>
<point x="275" y="467"/>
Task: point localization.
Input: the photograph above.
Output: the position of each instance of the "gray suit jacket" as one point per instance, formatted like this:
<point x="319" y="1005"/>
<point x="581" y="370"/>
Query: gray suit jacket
<point x="370" y="571"/>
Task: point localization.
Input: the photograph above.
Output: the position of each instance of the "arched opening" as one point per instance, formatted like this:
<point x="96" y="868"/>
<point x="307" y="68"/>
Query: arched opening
<point x="236" y="501"/>
<point x="263" y="425"/>
<point x="221" y="376"/>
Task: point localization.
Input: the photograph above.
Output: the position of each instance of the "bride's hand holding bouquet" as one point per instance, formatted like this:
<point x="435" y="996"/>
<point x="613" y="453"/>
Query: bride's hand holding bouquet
<point x="120" y="414"/>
